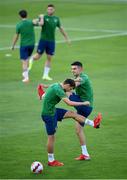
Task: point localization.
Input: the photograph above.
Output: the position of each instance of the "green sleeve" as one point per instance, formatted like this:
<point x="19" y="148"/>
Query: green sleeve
<point x="17" y="29"/>
<point x="60" y="93"/>
<point x="83" y="80"/>
<point x="58" y="23"/>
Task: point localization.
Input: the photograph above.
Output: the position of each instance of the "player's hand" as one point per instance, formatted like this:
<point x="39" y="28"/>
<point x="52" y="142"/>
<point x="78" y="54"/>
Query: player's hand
<point x="41" y="19"/>
<point x="68" y="41"/>
<point x="86" y="103"/>
<point x="41" y="15"/>
<point x="35" y="21"/>
<point x="78" y="79"/>
<point x="45" y="86"/>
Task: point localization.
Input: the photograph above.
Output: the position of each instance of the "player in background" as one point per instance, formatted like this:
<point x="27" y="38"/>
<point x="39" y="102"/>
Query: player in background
<point x="84" y="92"/>
<point x="51" y="115"/>
<point x="25" y="28"/>
<point x="47" y="39"/>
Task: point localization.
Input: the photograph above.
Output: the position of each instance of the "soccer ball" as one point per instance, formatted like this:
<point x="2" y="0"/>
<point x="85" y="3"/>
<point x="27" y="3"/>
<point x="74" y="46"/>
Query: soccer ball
<point x="36" y="167"/>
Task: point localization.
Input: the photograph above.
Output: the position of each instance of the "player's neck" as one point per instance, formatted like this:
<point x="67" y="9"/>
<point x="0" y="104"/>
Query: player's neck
<point x="77" y="75"/>
<point x="23" y="19"/>
<point x="50" y="14"/>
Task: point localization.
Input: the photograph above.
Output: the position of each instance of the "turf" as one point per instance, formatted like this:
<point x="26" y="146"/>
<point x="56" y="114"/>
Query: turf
<point x="22" y="133"/>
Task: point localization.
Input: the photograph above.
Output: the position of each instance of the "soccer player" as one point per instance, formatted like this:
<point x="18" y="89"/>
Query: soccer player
<point x="84" y="92"/>
<point x="25" y="28"/>
<point x="47" y="39"/>
<point x="51" y="115"/>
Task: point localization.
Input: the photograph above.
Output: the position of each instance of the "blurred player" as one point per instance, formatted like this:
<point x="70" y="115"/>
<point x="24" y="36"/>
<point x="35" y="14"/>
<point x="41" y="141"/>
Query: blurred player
<point x="84" y="92"/>
<point x="25" y="28"/>
<point x="51" y="115"/>
<point x="47" y="39"/>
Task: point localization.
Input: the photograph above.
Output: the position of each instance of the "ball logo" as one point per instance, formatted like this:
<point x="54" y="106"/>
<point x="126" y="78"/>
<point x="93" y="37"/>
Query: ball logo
<point x="36" y="167"/>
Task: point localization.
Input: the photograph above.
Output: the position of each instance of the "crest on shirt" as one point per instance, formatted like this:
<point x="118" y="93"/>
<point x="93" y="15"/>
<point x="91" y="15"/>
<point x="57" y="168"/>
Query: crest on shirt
<point x="55" y="20"/>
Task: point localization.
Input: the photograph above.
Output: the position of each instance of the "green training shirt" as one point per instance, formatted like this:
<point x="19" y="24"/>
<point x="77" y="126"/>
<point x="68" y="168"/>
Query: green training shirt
<point x="53" y="96"/>
<point x="26" y="29"/>
<point x="49" y="26"/>
<point x="84" y="90"/>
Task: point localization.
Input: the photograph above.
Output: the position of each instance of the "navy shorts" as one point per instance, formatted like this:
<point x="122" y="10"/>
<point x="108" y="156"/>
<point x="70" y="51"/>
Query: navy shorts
<point x="25" y="52"/>
<point x="46" y="46"/>
<point x="51" y="121"/>
<point x="82" y="110"/>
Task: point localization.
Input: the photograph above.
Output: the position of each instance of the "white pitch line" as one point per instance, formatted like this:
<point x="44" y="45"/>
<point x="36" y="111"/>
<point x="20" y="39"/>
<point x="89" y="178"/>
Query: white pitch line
<point x="74" y="29"/>
<point x="95" y="30"/>
<point x="81" y="39"/>
<point x="7" y="26"/>
<point x="97" y="37"/>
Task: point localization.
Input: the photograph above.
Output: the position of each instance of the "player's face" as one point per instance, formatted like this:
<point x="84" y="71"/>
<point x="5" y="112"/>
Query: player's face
<point x="50" y="11"/>
<point x="68" y="88"/>
<point x="76" y="70"/>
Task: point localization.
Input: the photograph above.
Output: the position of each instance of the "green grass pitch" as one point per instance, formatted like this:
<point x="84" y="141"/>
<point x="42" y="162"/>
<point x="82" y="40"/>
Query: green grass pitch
<point x="98" y="30"/>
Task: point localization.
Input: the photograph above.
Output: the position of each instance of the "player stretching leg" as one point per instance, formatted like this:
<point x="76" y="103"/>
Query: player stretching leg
<point x="51" y="115"/>
<point x="46" y="44"/>
<point x="84" y="92"/>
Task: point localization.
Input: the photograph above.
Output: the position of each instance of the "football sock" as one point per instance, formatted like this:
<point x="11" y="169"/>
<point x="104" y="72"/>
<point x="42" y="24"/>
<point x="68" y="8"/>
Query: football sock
<point x="31" y="60"/>
<point x="46" y="71"/>
<point x="89" y="122"/>
<point x="50" y="157"/>
<point x="25" y="74"/>
<point x="84" y="150"/>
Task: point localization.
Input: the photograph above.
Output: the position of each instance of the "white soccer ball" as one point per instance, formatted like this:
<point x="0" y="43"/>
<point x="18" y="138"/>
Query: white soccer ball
<point x="36" y="167"/>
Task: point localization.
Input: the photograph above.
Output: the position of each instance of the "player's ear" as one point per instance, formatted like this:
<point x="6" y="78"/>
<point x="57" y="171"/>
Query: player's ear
<point x="81" y="68"/>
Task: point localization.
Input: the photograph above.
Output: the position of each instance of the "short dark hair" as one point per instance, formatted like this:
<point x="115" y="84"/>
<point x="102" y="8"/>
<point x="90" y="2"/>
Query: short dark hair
<point x="77" y="63"/>
<point x="23" y="13"/>
<point x="51" y="5"/>
<point x="71" y="82"/>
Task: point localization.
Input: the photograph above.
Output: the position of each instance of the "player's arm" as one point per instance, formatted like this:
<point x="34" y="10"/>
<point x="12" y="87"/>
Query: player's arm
<point x="73" y="103"/>
<point x="77" y="84"/>
<point x="44" y="85"/>
<point x="64" y="34"/>
<point x="15" y="39"/>
<point x="78" y="81"/>
<point x="39" y="21"/>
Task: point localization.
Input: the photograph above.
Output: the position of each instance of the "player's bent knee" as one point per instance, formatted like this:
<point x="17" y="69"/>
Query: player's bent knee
<point x="73" y="114"/>
<point x="70" y="114"/>
<point x="49" y="57"/>
<point x="78" y="129"/>
<point x="37" y="56"/>
<point x="51" y="137"/>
